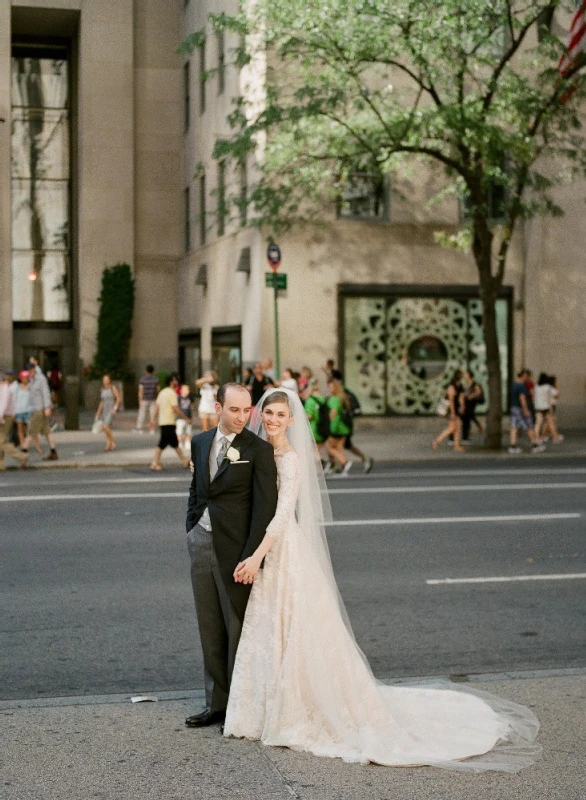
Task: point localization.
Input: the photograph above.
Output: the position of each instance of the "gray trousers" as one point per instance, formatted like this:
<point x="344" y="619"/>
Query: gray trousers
<point x="219" y="626"/>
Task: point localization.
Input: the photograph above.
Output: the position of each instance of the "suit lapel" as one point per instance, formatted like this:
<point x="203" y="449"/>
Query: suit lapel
<point x="204" y="456"/>
<point x="240" y="443"/>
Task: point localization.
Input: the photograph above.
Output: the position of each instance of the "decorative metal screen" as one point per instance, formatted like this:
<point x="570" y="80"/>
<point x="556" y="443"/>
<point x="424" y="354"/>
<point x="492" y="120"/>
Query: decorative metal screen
<point x="401" y="352"/>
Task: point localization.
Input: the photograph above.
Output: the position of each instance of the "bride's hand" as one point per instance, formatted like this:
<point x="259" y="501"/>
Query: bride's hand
<point x="246" y="571"/>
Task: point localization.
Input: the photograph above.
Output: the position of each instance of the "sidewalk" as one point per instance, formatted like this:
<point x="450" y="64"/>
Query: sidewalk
<point x="107" y="747"/>
<point x="387" y="439"/>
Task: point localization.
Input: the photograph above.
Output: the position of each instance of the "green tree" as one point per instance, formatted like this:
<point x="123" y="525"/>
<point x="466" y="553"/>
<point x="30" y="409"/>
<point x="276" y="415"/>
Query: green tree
<point x="115" y="322"/>
<point x="471" y="86"/>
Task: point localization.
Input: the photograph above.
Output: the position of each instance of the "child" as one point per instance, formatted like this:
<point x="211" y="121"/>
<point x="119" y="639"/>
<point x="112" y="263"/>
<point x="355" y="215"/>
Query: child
<point x="183" y="427"/>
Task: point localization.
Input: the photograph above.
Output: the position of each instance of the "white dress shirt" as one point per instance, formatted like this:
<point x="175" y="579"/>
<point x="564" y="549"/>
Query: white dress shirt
<point x="205" y="521"/>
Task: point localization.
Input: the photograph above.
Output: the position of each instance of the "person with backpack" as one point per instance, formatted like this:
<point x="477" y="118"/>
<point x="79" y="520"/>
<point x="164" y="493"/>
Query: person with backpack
<point x="340" y="422"/>
<point x="349" y="445"/>
<point x="318" y="414"/>
<point x="473" y="396"/>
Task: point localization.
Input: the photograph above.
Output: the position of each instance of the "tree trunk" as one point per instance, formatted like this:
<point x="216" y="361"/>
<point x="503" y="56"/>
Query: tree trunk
<point x="493" y="433"/>
<point x="489" y="287"/>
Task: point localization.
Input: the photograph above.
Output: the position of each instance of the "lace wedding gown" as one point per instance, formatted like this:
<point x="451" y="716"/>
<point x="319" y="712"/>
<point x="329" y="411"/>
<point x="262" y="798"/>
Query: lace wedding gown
<point x="301" y="681"/>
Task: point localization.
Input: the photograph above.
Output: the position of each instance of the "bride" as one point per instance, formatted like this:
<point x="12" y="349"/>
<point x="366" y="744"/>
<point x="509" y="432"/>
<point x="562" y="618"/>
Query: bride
<point x="301" y="681"/>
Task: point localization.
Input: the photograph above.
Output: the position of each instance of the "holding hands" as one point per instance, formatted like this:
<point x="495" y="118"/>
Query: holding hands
<point x="246" y="570"/>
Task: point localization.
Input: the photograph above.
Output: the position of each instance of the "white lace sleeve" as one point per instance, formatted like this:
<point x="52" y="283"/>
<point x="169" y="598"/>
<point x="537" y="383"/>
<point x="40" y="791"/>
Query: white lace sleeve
<point x="288" y="469"/>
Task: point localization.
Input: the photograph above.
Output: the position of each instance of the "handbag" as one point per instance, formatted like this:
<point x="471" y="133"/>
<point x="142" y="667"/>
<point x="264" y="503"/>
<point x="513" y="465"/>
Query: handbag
<point x="443" y="407"/>
<point x="98" y="426"/>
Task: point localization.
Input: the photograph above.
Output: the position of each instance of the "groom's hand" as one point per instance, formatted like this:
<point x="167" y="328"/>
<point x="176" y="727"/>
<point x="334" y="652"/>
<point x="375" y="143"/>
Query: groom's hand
<point x="191" y="466"/>
<point x="247" y="570"/>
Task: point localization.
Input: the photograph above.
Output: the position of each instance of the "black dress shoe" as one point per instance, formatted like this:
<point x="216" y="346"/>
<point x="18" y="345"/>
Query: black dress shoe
<point x="205" y="718"/>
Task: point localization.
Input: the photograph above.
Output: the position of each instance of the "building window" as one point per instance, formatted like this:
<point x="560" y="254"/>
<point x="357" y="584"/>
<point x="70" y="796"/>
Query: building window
<point x="221" y="62"/>
<point x="202" y="76"/>
<point x="243" y="201"/>
<point x="187" y="212"/>
<point x="186" y="95"/>
<point x="363" y="196"/>
<point x="41" y="197"/>
<point x="222" y="211"/>
<point x="202" y="209"/>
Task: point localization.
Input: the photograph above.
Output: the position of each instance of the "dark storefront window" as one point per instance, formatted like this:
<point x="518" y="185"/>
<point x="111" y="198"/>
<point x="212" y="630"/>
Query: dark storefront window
<point x="41" y="205"/>
<point x="400" y="348"/>
<point x="227" y="354"/>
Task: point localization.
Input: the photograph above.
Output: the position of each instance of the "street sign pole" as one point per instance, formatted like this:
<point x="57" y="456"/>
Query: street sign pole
<point x="274" y="259"/>
<point x="277" y="349"/>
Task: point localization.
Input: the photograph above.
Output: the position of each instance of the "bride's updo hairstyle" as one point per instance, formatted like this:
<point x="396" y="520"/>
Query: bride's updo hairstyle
<point x="277" y="397"/>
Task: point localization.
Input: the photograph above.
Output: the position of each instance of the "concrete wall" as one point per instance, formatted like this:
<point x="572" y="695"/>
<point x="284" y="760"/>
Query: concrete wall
<point x="158" y="231"/>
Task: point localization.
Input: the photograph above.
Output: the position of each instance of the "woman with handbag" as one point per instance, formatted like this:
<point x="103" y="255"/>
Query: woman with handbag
<point x="109" y="403"/>
<point x="453" y="399"/>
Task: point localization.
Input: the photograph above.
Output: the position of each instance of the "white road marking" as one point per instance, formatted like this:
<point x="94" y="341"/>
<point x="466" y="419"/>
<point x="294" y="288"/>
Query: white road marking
<point x="451" y="520"/>
<point x="510" y="578"/>
<point x="372" y="476"/>
<point x="470" y="487"/>
<point x="479" y="487"/>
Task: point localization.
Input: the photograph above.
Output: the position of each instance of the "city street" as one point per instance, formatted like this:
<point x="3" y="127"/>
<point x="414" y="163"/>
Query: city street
<point x="97" y="597"/>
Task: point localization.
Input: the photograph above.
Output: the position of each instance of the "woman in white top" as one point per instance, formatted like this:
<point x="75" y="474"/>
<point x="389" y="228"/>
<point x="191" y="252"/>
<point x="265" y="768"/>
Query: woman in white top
<point x="208" y="389"/>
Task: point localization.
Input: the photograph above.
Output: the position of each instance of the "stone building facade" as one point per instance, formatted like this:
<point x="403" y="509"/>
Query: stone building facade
<point x="90" y="174"/>
<point x="371" y="288"/>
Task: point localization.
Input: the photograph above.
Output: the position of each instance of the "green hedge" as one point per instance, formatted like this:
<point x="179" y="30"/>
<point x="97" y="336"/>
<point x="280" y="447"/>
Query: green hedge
<point x="115" y="322"/>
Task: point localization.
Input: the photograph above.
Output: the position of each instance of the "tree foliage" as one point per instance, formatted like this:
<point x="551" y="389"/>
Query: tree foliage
<point x="115" y="322"/>
<point x="471" y="86"/>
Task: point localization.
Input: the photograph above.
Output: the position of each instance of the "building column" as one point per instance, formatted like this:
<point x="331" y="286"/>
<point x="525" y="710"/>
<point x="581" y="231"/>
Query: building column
<point x="6" y="354"/>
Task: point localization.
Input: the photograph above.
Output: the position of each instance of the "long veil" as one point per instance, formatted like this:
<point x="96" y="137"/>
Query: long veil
<point x="516" y="747"/>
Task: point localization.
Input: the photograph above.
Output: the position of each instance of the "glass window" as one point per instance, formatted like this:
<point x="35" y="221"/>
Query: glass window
<point x="221" y="62"/>
<point x="41" y="204"/>
<point x="202" y="76"/>
<point x="363" y="196"/>
<point x="186" y="95"/>
<point x="243" y="193"/>
<point x="222" y="211"/>
<point x="202" y="210"/>
<point x="187" y="211"/>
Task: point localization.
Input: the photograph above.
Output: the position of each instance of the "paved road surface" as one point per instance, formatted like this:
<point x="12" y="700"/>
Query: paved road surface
<point x="98" y="600"/>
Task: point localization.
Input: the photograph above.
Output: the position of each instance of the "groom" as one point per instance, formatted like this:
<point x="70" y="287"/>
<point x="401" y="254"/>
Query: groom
<point x="232" y="499"/>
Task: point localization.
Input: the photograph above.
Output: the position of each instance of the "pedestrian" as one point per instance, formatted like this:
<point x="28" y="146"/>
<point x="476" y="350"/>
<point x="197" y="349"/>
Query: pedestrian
<point x="109" y="404"/>
<point x="521" y="418"/>
<point x="453" y="398"/>
<point x="550" y="426"/>
<point x="267" y="368"/>
<point x="318" y="414"/>
<point x="55" y="380"/>
<point x="22" y="404"/>
<point x="40" y="403"/>
<point x="305" y="377"/>
<point x="328" y="368"/>
<point x="6" y="420"/>
<point x="340" y="421"/>
<point x="530" y="386"/>
<point x="208" y="391"/>
<point x="471" y="398"/>
<point x="287" y="380"/>
<point x="258" y="383"/>
<point x="169" y="411"/>
<point x="355" y="411"/>
<point x="12" y="431"/>
<point x="182" y="426"/>
<point x="148" y="389"/>
<point x="246" y="376"/>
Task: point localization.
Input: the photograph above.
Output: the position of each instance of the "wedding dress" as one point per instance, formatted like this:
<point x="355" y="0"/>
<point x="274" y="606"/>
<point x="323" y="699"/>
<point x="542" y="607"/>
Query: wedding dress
<point x="301" y="681"/>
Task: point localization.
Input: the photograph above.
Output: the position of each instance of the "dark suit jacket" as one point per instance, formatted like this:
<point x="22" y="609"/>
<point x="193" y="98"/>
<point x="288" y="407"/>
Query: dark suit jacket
<point x="241" y="499"/>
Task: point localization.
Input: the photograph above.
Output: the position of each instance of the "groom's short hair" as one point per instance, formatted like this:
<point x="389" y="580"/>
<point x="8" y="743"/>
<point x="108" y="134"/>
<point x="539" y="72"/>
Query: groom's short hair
<point x="221" y="396"/>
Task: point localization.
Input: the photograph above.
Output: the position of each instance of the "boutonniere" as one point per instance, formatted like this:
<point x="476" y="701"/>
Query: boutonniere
<point x="232" y="454"/>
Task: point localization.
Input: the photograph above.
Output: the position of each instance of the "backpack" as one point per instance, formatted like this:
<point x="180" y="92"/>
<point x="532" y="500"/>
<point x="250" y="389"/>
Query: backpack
<point x="323" y="419"/>
<point x="354" y="403"/>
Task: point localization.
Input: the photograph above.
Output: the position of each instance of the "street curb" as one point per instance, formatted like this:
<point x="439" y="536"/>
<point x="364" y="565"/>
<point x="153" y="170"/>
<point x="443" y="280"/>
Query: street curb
<point x="199" y="694"/>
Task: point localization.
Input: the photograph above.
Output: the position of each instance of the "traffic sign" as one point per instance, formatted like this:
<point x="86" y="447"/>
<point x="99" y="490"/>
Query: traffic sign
<point x="276" y="280"/>
<point x="274" y="256"/>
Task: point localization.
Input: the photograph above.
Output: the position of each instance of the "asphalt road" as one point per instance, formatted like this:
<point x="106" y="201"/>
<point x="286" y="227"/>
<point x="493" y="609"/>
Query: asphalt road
<point x="97" y="597"/>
